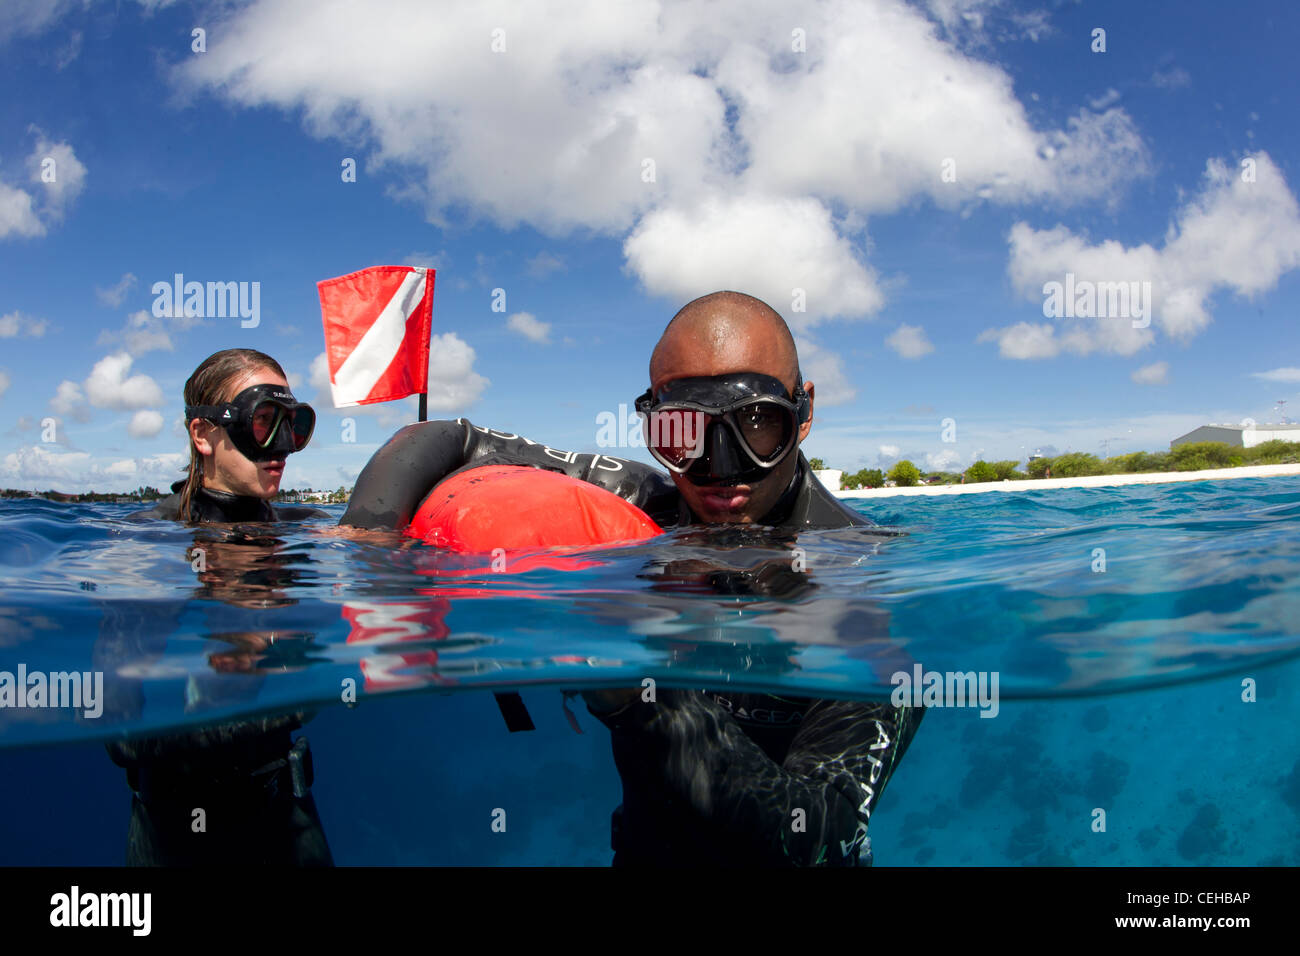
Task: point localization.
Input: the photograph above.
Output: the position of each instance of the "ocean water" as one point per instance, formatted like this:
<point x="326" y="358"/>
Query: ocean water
<point x="1145" y="640"/>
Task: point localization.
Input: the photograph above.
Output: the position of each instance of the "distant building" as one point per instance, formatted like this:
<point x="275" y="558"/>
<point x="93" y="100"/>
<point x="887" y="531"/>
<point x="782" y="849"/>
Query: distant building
<point x="1241" y="436"/>
<point x="830" y="477"/>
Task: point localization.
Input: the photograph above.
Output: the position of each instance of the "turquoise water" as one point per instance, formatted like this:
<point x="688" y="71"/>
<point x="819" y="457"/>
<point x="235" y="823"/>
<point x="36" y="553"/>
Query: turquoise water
<point x="1120" y="689"/>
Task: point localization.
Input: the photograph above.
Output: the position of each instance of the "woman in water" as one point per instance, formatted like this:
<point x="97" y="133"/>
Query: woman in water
<point x="236" y="792"/>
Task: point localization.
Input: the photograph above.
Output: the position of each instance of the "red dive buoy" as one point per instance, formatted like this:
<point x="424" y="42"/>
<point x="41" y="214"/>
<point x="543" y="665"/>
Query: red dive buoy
<point x="516" y="507"/>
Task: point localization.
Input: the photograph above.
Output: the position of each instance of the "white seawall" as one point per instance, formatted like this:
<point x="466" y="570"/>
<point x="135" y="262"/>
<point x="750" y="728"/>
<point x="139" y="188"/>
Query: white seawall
<point x="1090" y="481"/>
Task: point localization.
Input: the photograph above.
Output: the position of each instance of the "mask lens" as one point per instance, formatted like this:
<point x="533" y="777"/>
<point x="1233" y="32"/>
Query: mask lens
<point x="264" y="421"/>
<point x="268" y="416"/>
<point x="765" y="427"/>
<point x="676" y="434"/>
<point x="304" y="422"/>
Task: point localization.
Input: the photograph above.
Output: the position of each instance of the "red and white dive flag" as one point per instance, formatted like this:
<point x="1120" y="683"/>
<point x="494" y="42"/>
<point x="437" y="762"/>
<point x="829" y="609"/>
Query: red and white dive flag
<point x="377" y="326"/>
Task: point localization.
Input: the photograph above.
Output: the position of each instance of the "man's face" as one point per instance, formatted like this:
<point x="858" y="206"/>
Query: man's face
<point x="730" y="499"/>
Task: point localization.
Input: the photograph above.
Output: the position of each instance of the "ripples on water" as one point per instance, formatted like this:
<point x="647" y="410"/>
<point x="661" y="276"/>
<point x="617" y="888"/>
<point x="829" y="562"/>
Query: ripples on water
<point x="196" y="624"/>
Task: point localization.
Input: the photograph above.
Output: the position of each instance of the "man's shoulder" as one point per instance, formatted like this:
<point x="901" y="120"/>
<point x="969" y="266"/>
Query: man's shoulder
<point x="817" y="507"/>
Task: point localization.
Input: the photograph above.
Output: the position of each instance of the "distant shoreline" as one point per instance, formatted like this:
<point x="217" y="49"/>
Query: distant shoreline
<point x="1087" y="481"/>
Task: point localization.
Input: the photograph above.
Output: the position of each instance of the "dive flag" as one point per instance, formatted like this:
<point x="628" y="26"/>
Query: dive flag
<point x="377" y="325"/>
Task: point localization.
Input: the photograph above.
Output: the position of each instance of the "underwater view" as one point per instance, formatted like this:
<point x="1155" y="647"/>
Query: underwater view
<point x="1137" y="646"/>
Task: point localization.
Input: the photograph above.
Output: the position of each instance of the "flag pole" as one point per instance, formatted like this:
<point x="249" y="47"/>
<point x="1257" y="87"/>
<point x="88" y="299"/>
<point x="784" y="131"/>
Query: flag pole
<point x="424" y="406"/>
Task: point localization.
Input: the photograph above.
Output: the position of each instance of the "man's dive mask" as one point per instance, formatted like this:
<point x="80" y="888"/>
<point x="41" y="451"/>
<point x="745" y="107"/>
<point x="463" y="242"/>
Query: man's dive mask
<point x="264" y="422"/>
<point x="722" y="426"/>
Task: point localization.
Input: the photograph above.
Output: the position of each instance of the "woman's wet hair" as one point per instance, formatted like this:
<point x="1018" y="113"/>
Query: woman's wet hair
<point x="213" y="384"/>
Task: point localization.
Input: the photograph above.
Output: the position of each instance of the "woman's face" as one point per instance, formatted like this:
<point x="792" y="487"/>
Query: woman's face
<point x="224" y="467"/>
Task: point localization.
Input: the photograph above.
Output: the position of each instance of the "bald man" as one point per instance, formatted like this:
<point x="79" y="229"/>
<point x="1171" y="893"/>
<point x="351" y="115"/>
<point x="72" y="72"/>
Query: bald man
<point x="737" y="778"/>
<point x="732" y="353"/>
<point x="708" y="778"/>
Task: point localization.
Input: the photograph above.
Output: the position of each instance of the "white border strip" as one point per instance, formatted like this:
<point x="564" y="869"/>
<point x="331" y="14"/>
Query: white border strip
<point x="1090" y="481"/>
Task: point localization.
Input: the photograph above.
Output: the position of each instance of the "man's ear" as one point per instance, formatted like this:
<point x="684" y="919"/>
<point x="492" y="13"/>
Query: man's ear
<point x="806" y="427"/>
<point x="201" y="434"/>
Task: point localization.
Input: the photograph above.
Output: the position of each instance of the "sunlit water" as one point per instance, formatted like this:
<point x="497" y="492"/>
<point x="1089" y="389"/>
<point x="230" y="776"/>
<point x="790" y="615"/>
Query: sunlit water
<point x="1120" y="622"/>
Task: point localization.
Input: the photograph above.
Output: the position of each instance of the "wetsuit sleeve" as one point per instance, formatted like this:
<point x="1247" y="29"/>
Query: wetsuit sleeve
<point x="834" y="772"/>
<point x="400" y="476"/>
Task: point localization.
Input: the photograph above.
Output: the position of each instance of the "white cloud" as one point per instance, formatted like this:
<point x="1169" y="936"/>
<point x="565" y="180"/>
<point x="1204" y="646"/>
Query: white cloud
<point x="427" y="260"/>
<point x="946" y="460"/>
<point x="114" y="295"/>
<point x="976" y="22"/>
<point x="453" y="383"/>
<point x="17" y="217"/>
<point x="555" y="131"/>
<point x="108" y="385"/>
<point x="319" y="375"/>
<point x="69" y="176"/>
<point x="765" y="247"/>
<point x="145" y="423"/>
<point x="69" y="51"/>
<point x="1155" y="374"/>
<point x="888" y="451"/>
<point x="122" y="468"/>
<point x="1023" y="340"/>
<point x="25" y="17"/>
<point x="528" y="325"/>
<point x="140" y="334"/>
<point x="1234" y="234"/>
<point x="1173" y="78"/>
<point x="70" y="402"/>
<point x="1279" y="375"/>
<point x="1109" y="98"/>
<point x="31" y="213"/>
<point x="5" y="381"/>
<point x="14" y="324"/>
<point x="825" y="369"/>
<point x="44" y="466"/>
<point x="543" y="264"/>
<point x="35" y="463"/>
<point x="910" y="342"/>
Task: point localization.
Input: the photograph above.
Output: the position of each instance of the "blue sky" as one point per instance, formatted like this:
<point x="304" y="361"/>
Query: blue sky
<point x="920" y="170"/>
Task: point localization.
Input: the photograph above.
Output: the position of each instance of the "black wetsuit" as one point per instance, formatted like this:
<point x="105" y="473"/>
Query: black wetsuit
<point x="250" y="778"/>
<point x="218" y="506"/>
<point x="708" y="777"/>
